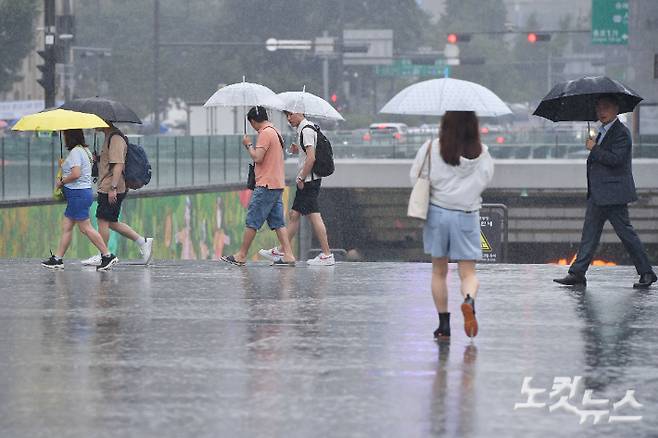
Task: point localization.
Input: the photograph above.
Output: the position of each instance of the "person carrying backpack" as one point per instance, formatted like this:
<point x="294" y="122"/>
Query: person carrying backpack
<point x="112" y="191"/>
<point x="311" y="160"/>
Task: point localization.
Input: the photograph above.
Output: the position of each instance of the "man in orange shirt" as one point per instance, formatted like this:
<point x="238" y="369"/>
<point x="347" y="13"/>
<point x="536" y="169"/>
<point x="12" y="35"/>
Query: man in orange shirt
<point x="266" y="203"/>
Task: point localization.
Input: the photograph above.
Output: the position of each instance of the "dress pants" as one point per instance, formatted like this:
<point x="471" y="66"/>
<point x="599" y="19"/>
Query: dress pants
<point x="595" y="218"/>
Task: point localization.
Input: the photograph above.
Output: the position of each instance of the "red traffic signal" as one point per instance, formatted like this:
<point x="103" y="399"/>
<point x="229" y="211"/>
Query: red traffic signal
<point x="334" y="98"/>
<point x="534" y="37"/>
<point x="454" y="38"/>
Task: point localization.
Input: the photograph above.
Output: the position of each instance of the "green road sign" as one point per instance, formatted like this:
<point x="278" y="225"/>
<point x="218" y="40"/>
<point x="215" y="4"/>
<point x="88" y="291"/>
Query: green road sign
<point x="404" y="67"/>
<point x="610" y="21"/>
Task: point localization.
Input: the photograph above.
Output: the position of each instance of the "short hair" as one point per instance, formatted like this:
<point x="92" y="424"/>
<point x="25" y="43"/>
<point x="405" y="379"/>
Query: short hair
<point x="611" y="98"/>
<point x="257" y="114"/>
<point x="73" y="138"/>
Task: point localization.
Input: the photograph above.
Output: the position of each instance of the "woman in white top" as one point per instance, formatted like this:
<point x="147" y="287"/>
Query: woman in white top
<point x="460" y="169"/>
<point x="76" y="184"/>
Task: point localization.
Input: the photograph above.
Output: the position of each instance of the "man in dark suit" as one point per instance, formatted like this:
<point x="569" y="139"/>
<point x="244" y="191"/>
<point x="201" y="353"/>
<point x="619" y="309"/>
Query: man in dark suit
<point x="610" y="187"/>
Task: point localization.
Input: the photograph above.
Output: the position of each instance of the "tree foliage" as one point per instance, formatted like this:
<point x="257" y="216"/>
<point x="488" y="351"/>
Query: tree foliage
<point x="16" y="37"/>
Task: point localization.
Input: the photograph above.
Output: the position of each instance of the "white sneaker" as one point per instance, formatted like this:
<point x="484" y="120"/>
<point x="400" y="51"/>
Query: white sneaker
<point x="322" y="260"/>
<point x="94" y="260"/>
<point x="147" y="250"/>
<point x="271" y="254"/>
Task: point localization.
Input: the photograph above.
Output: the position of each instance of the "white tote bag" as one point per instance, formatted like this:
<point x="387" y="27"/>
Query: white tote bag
<point x="419" y="201"/>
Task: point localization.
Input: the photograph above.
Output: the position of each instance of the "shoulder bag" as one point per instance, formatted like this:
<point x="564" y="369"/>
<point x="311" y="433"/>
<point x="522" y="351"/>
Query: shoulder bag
<point x="419" y="201"/>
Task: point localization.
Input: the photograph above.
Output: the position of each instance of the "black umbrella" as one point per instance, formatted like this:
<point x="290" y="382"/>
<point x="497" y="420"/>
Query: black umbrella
<point x="575" y="100"/>
<point x="106" y="109"/>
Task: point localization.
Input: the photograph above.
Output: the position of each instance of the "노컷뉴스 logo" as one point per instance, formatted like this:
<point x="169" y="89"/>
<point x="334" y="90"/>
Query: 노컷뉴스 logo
<point x="563" y="396"/>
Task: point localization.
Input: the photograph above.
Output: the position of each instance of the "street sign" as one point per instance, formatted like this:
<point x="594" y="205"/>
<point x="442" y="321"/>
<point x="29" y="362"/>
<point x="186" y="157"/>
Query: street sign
<point x="377" y="42"/>
<point x="493" y="234"/>
<point x="324" y="46"/>
<point x="451" y="51"/>
<point x="404" y="67"/>
<point x="610" y="21"/>
<point x="273" y="44"/>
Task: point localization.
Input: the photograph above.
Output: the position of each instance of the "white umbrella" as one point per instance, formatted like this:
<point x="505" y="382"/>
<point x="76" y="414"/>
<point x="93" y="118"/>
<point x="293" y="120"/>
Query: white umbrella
<point x="436" y="96"/>
<point x="308" y="104"/>
<point x="244" y="94"/>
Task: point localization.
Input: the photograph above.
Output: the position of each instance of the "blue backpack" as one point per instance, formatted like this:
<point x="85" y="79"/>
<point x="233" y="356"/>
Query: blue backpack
<point x="137" y="170"/>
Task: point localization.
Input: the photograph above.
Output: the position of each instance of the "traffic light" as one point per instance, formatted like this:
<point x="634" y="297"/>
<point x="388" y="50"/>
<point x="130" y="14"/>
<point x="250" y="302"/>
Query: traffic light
<point x="535" y="37"/>
<point x="455" y="38"/>
<point x="334" y="98"/>
<point x="47" y="80"/>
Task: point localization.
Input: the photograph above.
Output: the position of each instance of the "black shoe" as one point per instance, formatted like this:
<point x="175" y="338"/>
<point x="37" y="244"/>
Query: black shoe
<point x="572" y="280"/>
<point x="645" y="280"/>
<point x="470" y="322"/>
<point x="107" y="262"/>
<point x="53" y="263"/>
<point x="444" y="326"/>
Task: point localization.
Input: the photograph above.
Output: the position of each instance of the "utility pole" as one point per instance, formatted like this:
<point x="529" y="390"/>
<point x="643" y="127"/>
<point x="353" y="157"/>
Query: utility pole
<point x="156" y="65"/>
<point x="325" y="73"/>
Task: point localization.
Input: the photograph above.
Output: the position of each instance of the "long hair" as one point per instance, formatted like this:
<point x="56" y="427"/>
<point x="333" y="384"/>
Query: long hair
<point x="73" y="138"/>
<point x="459" y="136"/>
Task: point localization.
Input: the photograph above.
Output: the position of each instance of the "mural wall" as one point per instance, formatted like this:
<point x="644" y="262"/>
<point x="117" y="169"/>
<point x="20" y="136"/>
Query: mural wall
<point x="188" y="227"/>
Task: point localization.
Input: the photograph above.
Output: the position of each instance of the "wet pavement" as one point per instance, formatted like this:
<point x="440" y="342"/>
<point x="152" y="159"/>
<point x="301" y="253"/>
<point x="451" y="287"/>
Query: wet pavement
<point x="205" y="349"/>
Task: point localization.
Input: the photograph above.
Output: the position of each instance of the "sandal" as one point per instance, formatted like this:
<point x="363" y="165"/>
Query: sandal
<point x="230" y="259"/>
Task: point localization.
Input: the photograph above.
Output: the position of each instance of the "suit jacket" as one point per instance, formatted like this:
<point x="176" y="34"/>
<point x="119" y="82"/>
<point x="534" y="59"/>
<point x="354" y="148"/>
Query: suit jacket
<point x="609" y="171"/>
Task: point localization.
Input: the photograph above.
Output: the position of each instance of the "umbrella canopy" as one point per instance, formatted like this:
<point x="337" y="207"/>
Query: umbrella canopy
<point x="308" y="104"/>
<point x="244" y="94"/>
<point x="59" y="120"/>
<point x="436" y="96"/>
<point x="575" y="100"/>
<point x="106" y="109"/>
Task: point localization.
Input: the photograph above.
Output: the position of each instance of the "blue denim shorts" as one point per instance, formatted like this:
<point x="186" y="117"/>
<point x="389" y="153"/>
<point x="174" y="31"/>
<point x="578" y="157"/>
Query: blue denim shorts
<point x="453" y="234"/>
<point x="265" y="204"/>
<point x="78" y="202"/>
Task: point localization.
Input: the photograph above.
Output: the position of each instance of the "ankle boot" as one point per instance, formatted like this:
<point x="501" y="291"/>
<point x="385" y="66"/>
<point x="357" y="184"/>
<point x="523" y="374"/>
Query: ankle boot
<point x="444" y="326"/>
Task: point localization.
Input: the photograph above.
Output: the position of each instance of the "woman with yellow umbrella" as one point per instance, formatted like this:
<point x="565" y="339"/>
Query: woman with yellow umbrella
<point x="75" y="180"/>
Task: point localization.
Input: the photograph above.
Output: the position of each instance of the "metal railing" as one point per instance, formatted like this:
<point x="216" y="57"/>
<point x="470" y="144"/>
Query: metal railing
<point x="28" y="164"/>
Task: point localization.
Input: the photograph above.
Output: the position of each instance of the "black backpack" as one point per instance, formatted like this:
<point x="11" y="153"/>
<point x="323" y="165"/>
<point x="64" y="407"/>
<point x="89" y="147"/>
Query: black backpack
<point x="324" y="154"/>
<point x="137" y="170"/>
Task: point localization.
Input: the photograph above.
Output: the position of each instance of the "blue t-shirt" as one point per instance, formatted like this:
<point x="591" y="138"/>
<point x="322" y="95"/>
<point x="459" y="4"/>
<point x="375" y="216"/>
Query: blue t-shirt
<point x="78" y="157"/>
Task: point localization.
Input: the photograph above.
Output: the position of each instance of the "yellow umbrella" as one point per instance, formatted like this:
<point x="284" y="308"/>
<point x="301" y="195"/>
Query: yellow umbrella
<point x="58" y="120"/>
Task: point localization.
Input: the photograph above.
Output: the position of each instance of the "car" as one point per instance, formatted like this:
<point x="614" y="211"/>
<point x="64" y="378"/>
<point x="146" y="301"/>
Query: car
<point x="386" y="131"/>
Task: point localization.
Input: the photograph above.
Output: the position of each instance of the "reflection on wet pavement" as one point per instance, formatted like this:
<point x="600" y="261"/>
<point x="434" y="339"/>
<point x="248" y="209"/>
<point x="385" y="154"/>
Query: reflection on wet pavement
<point x="205" y="349"/>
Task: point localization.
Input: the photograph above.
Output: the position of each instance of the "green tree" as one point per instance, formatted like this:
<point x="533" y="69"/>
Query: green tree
<point x="16" y="37"/>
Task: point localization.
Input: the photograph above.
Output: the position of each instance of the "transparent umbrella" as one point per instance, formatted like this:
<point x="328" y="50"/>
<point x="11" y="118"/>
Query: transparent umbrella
<point x="308" y="104"/>
<point x="436" y="96"/>
<point x="244" y="94"/>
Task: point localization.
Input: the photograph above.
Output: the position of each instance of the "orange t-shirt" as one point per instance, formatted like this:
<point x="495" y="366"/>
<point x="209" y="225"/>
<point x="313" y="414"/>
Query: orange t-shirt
<point x="270" y="172"/>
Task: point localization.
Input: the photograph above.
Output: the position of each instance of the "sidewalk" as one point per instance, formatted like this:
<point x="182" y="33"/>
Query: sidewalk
<point x="207" y="349"/>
